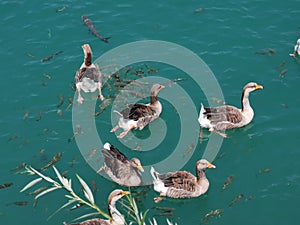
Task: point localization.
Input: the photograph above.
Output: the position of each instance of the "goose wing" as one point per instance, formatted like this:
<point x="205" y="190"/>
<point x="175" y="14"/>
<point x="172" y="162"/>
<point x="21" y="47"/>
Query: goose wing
<point x="180" y="180"/>
<point x="137" y="111"/>
<point x="224" y="114"/>
<point x="92" y="73"/>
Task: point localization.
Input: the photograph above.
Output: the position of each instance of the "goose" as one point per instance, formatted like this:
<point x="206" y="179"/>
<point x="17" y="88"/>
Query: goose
<point x="139" y="115"/>
<point x="296" y="49"/>
<point x="117" y="217"/>
<point x="227" y="117"/>
<point x="88" y="78"/>
<point x="119" y="168"/>
<point x="182" y="184"/>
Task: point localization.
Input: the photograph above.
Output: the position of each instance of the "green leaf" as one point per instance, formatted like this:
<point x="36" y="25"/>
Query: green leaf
<point x="143" y="218"/>
<point x="30" y="184"/>
<point x="87" y="191"/>
<point x="46" y="191"/>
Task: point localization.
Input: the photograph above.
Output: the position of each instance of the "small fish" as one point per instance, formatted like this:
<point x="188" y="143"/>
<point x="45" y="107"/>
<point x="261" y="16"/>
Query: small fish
<point x="271" y="51"/>
<point x="282" y="64"/>
<point x="59" y="112"/>
<point x="164" y="214"/>
<point x="94" y="185"/>
<point x="37" y="191"/>
<point x="51" y="56"/>
<point x="76" y="132"/>
<point x="284" y="105"/>
<point x="30" y="55"/>
<point x="61" y="100"/>
<point x="40" y="116"/>
<point x="199" y="10"/>
<point x="6" y="185"/>
<point x="150" y="69"/>
<point x="13" y="137"/>
<point x="52" y="162"/>
<point x="61" y="9"/>
<point x="212" y="213"/>
<point x="19" y="167"/>
<point x="228" y="182"/>
<point x="26" y="115"/>
<point x="164" y="209"/>
<point x="266" y="170"/>
<point x="47" y="76"/>
<point x="126" y="70"/>
<point x="236" y="199"/>
<point x="189" y="149"/>
<point x="283" y="72"/>
<point x="23" y="203"/>
<point x="94" y="31"/>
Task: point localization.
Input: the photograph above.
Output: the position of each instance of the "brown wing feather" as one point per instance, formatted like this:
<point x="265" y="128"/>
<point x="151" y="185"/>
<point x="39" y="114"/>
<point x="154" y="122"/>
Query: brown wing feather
<point x="179" y="180"/>
<point x="136" y="111"/>
<point x="220" y="114"/>
<point x="92" y="73"/>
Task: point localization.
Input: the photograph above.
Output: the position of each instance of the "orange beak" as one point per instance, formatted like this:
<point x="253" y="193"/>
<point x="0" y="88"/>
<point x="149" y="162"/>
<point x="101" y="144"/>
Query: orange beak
<point x="211" y="166"/>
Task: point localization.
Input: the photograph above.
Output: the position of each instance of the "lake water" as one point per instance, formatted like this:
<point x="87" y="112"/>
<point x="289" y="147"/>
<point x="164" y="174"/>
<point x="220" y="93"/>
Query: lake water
<point x="235" y="39"/>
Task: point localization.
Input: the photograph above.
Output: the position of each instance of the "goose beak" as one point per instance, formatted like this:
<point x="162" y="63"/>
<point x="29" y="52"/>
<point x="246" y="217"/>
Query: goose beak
<point x="257" y="87"/>
<point x="211" y="166"/>
<point x="139" y="166"/>
<point x="162" y="86"/>
<point x="123" y="193"/>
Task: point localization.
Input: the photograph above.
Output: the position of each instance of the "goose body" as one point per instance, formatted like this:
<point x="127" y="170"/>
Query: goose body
<point x="182" y="184"/>
<point x="139" y="115"/>
<point x="117" y="217"/>
<point x="119" y="168"/>
<point x="296" y="49"/>
<point x="88" y="78"/>
<point x="228" y="117"/>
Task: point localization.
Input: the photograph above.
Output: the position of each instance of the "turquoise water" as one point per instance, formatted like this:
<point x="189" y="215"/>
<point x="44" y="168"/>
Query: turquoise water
<point x="226" y="35"/>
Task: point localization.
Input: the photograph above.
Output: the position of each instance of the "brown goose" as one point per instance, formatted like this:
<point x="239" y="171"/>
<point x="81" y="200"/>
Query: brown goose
<point x="117" y="217"/>
<point x="88" y="78"/>
<point x="227" y="117"/>
<point x="140" y="115"/>
<point x="182" y="184"/>
<point x="119" y="168"/>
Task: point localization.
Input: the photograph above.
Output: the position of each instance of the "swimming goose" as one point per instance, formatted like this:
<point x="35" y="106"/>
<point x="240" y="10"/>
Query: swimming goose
<point x="227" y="117"/>
<point x="140" y="115"/>
<point x="182" y="184"/>
<point x="296" y="49"/>
<point x="88" y="77"/>
<point x="119" y="168"/>
<point x="117" y="217"/>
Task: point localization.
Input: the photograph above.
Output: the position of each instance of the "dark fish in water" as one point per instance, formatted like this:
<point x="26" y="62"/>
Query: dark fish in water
<point x="165" y="209"/>
<point x="76" y="132"/>
<point x="37" y="191"/>
<point x="51" y="56"/>
<point x="18" y="203"/>
<point x="126" y="70"/>
<point x="150" y="69"/>
<point x="61" y="9"/>
<point x="283" y="72"/>
<point x="91" y="27"/>
<point x="13" y="137"/>
<point x="6" y="185"/>
<point x="26" y="115"/>
<point x="21" y="166"/>
<point x="61" y="100"/>
<point x="236" y="199"/>
<point x="269" y="51"/>
<point x="211" y="214"/>
<point x="52" y="162"/>
<point x="40" y="116"/>
<point x="228" y="182"/>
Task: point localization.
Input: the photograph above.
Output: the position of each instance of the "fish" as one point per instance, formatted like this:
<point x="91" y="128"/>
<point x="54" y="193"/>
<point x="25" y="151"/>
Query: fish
<point x="236" y="199"/>
<point x="30" y="55"/>
<point x="51" y="56"/>
<point x="269" y="51"/>
<point x="13" y="137"/>
<point x="212" y="213"/>
<point x="6" y="185"/>
<point x="26" y="115"/>
<point x="61" y="100"/>
<point x="94" y="31"/>
<point x="21" y="203"/>
<point x="59" y="112"/>
<point x="76" y="132"/>
<point x="40" y="116"/>
<point x="266" y="170"/>
<point x="150" y="69"/>
<point x="52" y="162"/>
<point x="19" y="167"/>
<point x="228" y="182"/>
<point x="126" y="70"/>
<point x="199" y="10"/>
<point x="164" y="209"/>
<point x="283" y="72"/>
<point x="94" y="185"/>
<point x="37" y="191"/>
<point x="189" y="149"/>
<point x="61" y="9"/>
